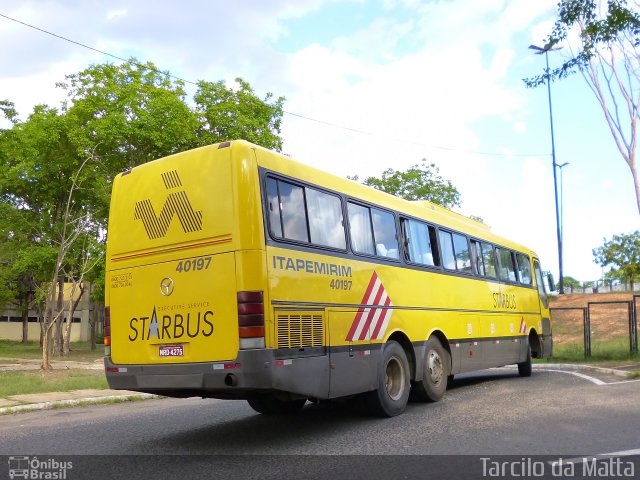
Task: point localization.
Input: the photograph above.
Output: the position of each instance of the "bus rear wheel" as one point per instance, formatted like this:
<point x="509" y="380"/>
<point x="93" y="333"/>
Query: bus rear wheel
<point x="391" y="396"/>
<point x="435" y="373"/>
<point x="271" y="405"/>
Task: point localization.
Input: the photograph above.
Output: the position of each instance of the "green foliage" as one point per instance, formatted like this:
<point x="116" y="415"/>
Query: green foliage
<point x="622" y="252"/>
<point x="570" y="282"/>
<point x="8" y="110"/>
<point x="115" y="117"/>
<point x="23" y="382"/>
<point x="420" y="182"/>
<point x="618" y="23"/>
<point x="29" y="351"/>
<point x="225" y="114"/>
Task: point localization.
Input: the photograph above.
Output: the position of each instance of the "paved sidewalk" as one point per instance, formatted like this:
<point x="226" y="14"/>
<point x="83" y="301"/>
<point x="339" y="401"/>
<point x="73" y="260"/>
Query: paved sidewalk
<point x="49" y="400"/>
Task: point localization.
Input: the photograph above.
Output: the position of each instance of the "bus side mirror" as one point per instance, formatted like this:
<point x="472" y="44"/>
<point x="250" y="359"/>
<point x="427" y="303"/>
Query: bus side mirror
<point x="551" y="282"/>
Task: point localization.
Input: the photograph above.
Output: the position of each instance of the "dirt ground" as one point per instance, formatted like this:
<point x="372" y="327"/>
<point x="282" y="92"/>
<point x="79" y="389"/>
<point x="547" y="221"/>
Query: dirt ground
<point x="608" y="321"/>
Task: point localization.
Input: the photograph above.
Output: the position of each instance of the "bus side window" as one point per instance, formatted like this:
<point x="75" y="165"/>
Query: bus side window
<point x="294" y="213"/>
<point x="418" y="242"/>
<point x="488" y="259"/>
<point x="325" y="219"/>
<point x="273" y="211"/>
<point x="385" y="234"/>
<point x="476" y="255"/>
<point x="446" y="250"/>
<point x="360" y="229"/>
<point x="507" y="270"/>
<point x="524" y="268"/>
<point x="461" y="249"/>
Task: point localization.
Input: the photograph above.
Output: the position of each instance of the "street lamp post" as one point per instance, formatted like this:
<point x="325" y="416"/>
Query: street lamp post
<point x="560" y="167"/>
<point x="540" y="51"/>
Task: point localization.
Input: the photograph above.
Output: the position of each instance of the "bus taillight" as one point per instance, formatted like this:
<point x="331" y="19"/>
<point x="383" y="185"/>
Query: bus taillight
<point x="251" y="319"/>
<point x="107" y="331"/>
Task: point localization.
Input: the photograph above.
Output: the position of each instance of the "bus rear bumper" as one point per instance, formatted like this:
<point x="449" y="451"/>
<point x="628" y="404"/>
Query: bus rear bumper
<point x="240" y="378"/>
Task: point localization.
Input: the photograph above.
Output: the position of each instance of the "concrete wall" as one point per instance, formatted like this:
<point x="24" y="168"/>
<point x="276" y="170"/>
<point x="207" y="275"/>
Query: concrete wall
<point x="11" y="324"/>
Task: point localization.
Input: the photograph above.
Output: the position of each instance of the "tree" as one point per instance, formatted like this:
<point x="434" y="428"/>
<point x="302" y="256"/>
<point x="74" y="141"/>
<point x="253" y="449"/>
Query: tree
<point x="571" y="283"/>
<point x="58" y="165"/>
<point x="420" y="182"/>
<point x="623" y="253"/>
<point x="608" y="57"/>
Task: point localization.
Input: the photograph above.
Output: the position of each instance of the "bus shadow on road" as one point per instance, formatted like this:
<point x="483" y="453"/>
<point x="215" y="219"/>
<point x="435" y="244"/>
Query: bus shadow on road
<point x="249" y="432"/>
<point x="482" y="376"/>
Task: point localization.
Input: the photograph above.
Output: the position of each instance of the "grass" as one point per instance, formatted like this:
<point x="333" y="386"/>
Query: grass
<point x="80" y="351"/>
<point x="37" y="381"/>
<point x="614" y="349"/>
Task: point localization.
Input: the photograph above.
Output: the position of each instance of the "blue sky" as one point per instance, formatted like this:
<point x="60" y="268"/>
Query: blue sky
<point x="440" y="80"/>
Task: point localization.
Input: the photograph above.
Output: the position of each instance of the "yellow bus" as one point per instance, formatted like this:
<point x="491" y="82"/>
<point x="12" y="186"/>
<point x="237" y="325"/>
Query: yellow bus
<point x="236" y="272"/>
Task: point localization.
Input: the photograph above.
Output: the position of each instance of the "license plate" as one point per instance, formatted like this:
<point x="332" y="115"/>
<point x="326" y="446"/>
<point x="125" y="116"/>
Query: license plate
<point x="171" y="350"/>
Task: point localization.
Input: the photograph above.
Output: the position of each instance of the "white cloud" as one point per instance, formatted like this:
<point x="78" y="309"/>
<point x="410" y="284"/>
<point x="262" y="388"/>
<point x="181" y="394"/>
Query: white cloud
<point x="419" y="76"/>
<point x="112" y="14"/>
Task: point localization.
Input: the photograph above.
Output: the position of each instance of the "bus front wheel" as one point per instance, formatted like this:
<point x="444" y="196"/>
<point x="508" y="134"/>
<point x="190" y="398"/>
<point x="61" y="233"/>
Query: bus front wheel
<point x="390" y="398"/>
<point x="525" y="368"/>
<point x="271" y="405"/>
<point x="435" y="373"/>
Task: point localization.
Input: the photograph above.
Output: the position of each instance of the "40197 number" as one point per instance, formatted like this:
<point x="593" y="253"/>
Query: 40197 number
<point x="192" y="264"/>
<point x="341" y="284"/>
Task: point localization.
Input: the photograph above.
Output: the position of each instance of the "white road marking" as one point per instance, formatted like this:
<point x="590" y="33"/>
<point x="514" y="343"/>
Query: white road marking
<point x="597" y="381"/>
<point x="599" y="456"/>
<point x="581" y="375"/>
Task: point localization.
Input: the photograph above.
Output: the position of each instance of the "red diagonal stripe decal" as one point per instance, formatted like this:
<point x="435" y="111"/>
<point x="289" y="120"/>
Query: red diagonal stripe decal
<point x="356" y="321"/>
<point x="383" y="317"/>
<point x="371" y="319"/>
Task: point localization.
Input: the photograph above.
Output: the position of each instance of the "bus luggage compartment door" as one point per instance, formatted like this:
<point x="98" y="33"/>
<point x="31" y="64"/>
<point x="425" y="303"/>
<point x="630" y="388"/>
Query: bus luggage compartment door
<point x="353" y="363"/>
<point x="176" y="311"/>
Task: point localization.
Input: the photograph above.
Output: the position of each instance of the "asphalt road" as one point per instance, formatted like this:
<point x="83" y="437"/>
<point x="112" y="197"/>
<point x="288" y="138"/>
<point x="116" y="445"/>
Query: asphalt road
<point x="488" y="413"/>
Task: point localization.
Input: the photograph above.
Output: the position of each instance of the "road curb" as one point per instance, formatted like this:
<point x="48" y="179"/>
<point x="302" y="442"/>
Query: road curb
<point x="580" y="366"/>
<point x="77" y="401"/>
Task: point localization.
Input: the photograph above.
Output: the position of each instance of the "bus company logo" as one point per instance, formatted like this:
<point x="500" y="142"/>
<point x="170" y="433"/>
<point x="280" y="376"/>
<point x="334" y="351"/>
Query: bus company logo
<point x="166" y="286"/>
<point x="371" y="323"/>
<point x="172" y="326"/>
<point x="27" y="467"/>
<point x="176" y="204"/>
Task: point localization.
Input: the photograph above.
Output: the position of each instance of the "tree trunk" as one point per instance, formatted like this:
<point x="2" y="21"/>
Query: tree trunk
<point x="73" y="305"/>
<point x="25" y="320"/>
<point x="57" y="331"/>
<point x="636" y="183"/>
<point x="93" y="320"/>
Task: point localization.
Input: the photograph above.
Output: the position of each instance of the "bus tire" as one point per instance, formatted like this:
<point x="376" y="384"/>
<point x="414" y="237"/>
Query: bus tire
<point x="525" y="368"/>
<point x="391" y="396"/>
<point x="271" y="405"/>
<point x="436" y="372"/>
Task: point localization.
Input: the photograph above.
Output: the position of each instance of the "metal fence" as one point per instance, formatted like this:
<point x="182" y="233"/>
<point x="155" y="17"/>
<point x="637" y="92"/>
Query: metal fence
<point x="572" y="323"/>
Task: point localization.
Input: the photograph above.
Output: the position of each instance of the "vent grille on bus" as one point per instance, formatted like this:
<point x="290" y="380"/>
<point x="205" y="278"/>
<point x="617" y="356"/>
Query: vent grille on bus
<point x="300" y="330"/>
